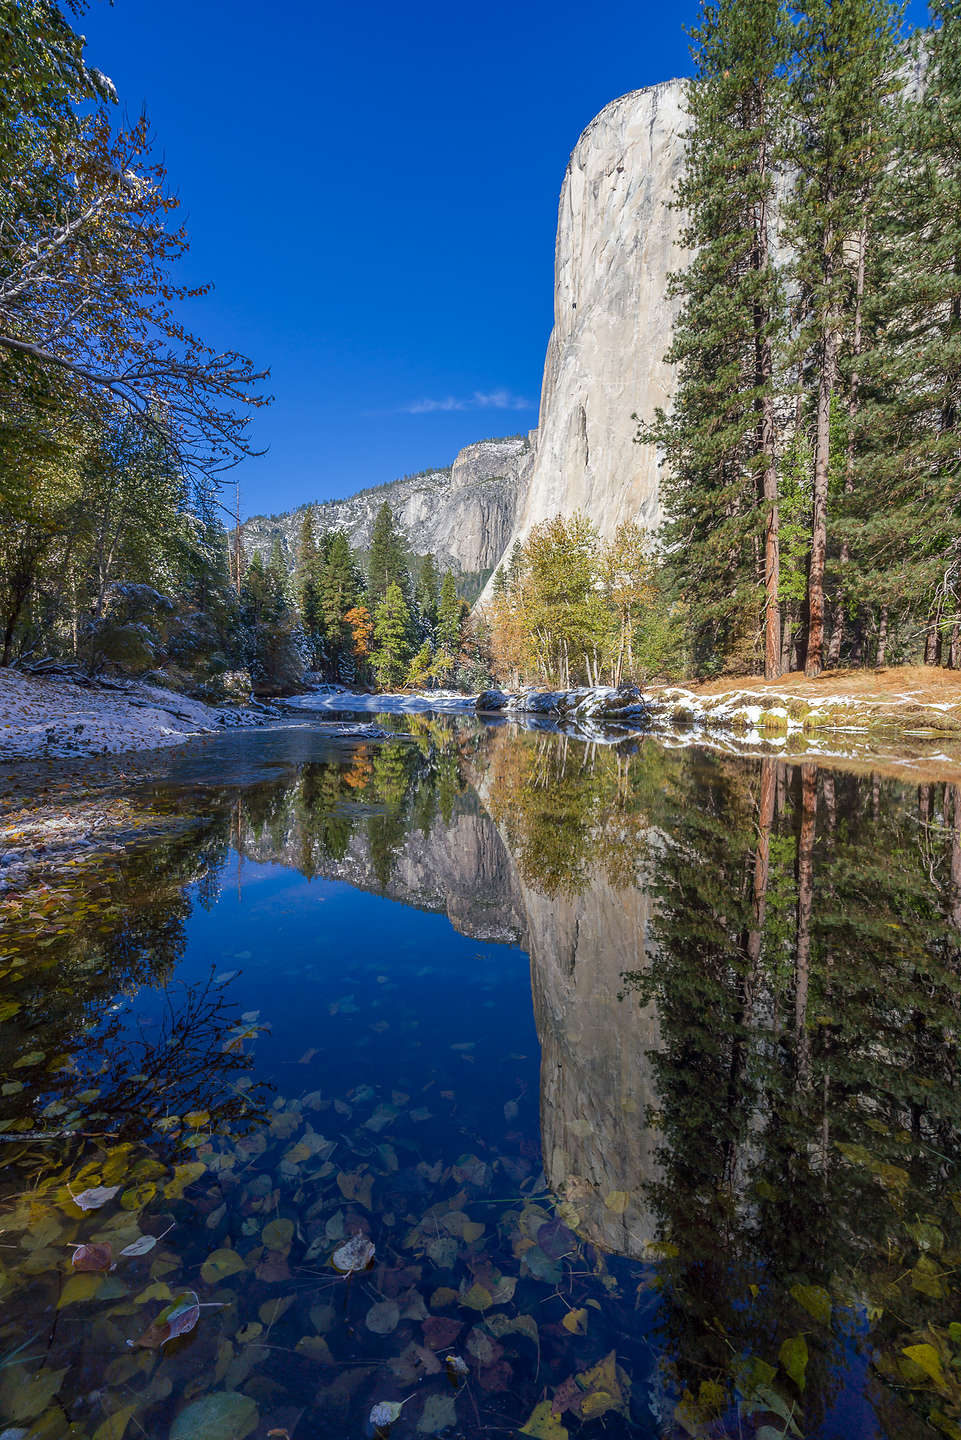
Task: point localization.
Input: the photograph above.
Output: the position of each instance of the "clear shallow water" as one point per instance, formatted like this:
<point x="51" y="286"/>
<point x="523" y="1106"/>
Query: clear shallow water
<point x="638" y="1070"/>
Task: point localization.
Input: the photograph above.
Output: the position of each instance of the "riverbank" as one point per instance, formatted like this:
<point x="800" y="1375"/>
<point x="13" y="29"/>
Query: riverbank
<point x="906" y="708"/>
<point x="916" y="702"/>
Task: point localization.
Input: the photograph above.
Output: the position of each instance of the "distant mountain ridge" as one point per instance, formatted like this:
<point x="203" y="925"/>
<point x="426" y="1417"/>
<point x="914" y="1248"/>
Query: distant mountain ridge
<point x="463" y="515"/>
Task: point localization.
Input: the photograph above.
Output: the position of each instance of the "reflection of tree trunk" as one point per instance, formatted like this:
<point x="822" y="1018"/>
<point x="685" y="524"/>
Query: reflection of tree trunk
<point x="955" y="792"/>
<point x="805" y="907"/>
<point x="761" y="872"/>
<point x="925" y="797"/>
<point x="830" y="802"/>
<point x="752" y="942"/>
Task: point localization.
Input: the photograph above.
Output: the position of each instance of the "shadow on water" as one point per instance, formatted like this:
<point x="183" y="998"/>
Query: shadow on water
<point x="706" y="1184"/>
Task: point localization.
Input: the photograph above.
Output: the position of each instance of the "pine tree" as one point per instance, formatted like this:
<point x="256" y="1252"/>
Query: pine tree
<point x="392" y="637"/>
<point x="719" y="441"/>
<point x="308" y="577"/>
<point x="278" y="576"/>
<point x="449" y="617"/>
<point x="844" y="75"/>
<point x="419" y="672"/>
<point x="908" y="522"/>
<point x="426" y="594"/>
<point x="387" y="563"/>
<point x="340" y="590"/>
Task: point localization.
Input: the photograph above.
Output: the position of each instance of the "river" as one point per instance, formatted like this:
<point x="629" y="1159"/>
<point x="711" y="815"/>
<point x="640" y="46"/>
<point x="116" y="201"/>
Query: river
<point x="516" y="1081"/>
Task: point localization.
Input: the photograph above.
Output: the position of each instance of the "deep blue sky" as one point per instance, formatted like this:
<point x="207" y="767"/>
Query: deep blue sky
<point x="373" y="191"/>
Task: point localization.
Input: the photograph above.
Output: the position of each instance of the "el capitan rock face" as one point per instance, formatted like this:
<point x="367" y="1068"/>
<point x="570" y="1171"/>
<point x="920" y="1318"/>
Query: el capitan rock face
<point x="618" y="240"/>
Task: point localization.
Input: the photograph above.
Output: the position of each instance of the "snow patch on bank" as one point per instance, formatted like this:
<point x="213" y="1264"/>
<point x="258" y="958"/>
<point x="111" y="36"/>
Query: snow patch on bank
<point x="329" y="697"/>
<point x="49" y="719"/>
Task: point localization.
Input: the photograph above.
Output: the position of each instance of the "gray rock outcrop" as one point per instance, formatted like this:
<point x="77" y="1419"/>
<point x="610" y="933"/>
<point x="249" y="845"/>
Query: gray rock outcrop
<point x="463" y="515"/>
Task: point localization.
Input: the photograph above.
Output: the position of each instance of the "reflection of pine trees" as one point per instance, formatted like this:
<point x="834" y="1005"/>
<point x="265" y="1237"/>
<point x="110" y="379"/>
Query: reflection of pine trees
<point x="568" y="810"/>
<point x="310" y="818"/>
<point x="806" y="973"/>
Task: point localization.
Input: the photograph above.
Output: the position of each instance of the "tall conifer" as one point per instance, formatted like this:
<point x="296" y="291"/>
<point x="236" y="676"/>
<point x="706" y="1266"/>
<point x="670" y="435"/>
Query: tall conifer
<point x="719" y="441"/>
<point x="388" y="557"/>
<point x="843" y="78"/>
<point x="908" y="524"/>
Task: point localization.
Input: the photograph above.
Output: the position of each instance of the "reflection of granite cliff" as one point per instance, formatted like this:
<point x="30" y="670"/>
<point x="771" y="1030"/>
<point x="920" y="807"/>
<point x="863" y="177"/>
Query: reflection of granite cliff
<point x="595" y="1075"/>
<point x="460" y="870"/>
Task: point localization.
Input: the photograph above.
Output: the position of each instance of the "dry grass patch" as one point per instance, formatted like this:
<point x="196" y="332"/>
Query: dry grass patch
<point x="922" y="683"/>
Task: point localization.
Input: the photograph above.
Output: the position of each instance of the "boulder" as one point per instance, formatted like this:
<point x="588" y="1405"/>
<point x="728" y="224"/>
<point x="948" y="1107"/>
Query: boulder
<point x="491" y="700"/>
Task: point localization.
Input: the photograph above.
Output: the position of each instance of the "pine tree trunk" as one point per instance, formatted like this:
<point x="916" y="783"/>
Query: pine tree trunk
<point x="932" y="641"/>
<point x="954" y="649"/>
<point x="787" y="639"/>
<point x="764" y="373"/>
<point x="882" y="636"/>
<point x="837" y="633"/>
<point x="813" y="663"/>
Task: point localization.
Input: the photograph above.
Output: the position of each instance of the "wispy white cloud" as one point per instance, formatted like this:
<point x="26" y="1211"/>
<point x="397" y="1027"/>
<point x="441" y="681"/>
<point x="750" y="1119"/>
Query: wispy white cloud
<point x="480" y="400"/>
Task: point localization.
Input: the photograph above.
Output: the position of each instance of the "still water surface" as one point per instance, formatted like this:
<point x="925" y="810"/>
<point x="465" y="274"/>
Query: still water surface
<point x="636" y="1067"/>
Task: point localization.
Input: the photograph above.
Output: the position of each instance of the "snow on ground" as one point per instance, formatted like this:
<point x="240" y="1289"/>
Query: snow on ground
<point x="326" y="697"/>
<point x="48" y="718"/>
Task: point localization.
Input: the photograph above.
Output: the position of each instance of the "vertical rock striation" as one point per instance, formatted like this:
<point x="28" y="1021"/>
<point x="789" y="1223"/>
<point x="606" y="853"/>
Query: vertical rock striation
<point x="618" y="239"/>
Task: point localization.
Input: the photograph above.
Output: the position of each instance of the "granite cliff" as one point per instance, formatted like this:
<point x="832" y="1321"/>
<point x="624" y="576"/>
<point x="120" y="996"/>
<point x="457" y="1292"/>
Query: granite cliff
<point x="618" y="239"/>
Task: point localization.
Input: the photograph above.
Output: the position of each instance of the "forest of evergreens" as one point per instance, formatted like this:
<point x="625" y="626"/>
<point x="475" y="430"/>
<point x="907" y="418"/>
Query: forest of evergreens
<point x="812" y="455"/>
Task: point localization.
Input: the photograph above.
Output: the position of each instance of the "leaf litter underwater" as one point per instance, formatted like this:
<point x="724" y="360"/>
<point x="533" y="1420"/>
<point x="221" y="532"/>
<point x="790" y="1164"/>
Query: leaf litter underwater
<point x="272" y="1128"/>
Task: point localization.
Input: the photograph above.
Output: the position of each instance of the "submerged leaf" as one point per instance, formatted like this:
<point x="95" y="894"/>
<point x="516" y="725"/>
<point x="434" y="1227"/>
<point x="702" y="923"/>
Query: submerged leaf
<point x="144" y="1243"/>
<point x="93" y="1199"/>
<point x="457" y="1369"/>
<point x="24" y="1397"/>
<point x="576" y="1322"/>
<point x="441" y="1331"/>
<point x="384" y="1413"/>
<point x="224" y="1415"/>
<point x="793" y="1355"/>
<point x="179" y="1318"/>
<point x="220" y="1264"/>
<point x="544" y="1424"/>
<point x="556" y="1240"/>
<point x="815" y="1300"/>
<point x="927" y="1359"/>
<point x="356" y="1254"/>
<point x="439" y="1414"/>
<point x="384" y="1317"/>
<point x="79" y="1288"/>
<point x="93" y="1258"/>
<point x="115" y="1425"/>
<point x="278" y="1235"/>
